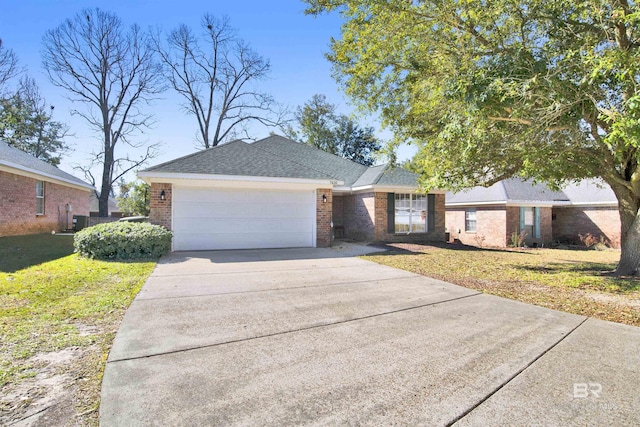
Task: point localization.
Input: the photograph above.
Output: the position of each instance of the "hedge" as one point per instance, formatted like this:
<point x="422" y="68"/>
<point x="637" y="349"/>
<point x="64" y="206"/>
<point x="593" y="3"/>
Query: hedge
<point x="123" y="240"/>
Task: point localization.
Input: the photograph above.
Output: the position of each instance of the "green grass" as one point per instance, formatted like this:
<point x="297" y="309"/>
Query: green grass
<point x="576" y="281"/>
<point x="50" y="298"/>
<point x="18" y="252"/>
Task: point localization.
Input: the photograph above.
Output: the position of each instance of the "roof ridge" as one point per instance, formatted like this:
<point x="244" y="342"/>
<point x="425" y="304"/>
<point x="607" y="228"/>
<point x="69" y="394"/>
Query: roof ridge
<point x="383" y="168"/>
<point x="312" y="147"/>
<point x="503" y="190"/>
<point x="193" y="154"/>
<point x="293" y="161"/>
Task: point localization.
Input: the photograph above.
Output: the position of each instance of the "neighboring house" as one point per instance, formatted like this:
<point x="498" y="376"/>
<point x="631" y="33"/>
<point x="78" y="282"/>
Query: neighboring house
<point x="491" y="216"/>
<point x="94" y="210"/>
<point x="277" y="193"/>
<point x="36" y="197"/>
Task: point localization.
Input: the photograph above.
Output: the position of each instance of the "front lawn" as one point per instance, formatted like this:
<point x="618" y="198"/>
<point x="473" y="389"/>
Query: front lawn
<point x="575" y="281"/>
<point x="58" y="316"/>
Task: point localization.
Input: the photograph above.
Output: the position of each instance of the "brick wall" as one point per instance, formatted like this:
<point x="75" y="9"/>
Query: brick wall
<point x="324" y="216"/>
<point x="490" y="226"/>
<point x="160" y="213"/>
<point x="495" y="225"/>
<point x="598" y="221"/>
<point x="358" y="216"/>
<point x="18" y="206"/>
<point x="381" y="233"/>
<point x="338" y="210"/>
<point x="546" y="228"/>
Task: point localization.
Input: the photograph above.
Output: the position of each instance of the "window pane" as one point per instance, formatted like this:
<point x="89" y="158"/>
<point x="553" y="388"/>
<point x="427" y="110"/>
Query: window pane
<point x="39" y="206"/>
<point x="470" y="220"/>
<point x="402" y="211"/>
<point x="39" y="198"/>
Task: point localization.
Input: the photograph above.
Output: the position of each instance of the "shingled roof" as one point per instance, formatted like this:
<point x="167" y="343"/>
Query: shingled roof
<point x="517" y="191"/>
<point x="17" y="159"/>
<point x="279" y="157"/>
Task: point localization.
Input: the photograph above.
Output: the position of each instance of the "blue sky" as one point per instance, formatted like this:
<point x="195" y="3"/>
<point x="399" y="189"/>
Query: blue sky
<point x="278" y="30"/>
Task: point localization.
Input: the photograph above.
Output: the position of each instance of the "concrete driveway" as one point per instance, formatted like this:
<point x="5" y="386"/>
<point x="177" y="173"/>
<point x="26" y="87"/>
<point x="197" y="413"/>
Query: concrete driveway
<point x="315" y="336"/>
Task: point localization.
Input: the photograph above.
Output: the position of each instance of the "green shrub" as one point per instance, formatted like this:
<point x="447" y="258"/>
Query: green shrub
<point x="122" y="240"/>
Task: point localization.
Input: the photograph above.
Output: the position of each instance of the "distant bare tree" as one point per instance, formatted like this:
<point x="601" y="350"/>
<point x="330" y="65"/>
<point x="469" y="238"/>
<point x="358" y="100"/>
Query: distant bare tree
<point x="8" y="65"/>
<point x="111" y="70"/>
<point x="216" y="74"/>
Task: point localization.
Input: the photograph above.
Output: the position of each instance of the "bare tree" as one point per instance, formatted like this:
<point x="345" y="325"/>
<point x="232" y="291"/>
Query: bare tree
<point x="216" y="74"/>
<point x="8" y="65"/>
<point x="112" y="71"/>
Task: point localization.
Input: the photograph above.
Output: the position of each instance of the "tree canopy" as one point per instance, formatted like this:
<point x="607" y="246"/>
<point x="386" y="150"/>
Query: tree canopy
<point x="135" y="198"/>
<point x="26" y="123"/>
<point x="321" y="126"/>
<point x="544" y="89"/>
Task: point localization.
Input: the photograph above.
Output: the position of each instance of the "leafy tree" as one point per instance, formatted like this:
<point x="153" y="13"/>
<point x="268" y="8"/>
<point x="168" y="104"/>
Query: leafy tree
<point x="488" y="90"/>
<point x="217" y="73"/>
<point x="320" y="126"/>
<point x="112" y="71"/>
<point x="26" y="123"/>
<point x="135" y="198"/>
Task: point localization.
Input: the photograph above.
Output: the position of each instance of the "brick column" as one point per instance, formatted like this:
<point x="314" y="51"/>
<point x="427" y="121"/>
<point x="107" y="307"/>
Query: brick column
<point x="323" y="217"/>
<point x="161" y="209"/>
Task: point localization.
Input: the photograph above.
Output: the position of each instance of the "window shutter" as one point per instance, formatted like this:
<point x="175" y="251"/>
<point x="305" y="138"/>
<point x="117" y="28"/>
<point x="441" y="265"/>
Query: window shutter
<point x="537" y="222"/>
<point x="521" y="220"/>
<point x="431" y="211"/>
<point x="391" y="212"/>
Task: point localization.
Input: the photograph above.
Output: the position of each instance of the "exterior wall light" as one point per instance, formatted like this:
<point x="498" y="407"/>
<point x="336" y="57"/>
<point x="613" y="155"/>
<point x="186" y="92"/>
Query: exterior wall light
<point x="324" y="198"/>
<point x="163" y="195"/>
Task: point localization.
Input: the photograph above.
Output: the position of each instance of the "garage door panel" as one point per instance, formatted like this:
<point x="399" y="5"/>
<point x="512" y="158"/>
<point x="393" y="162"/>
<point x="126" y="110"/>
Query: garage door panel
<point x="242" y="219"/>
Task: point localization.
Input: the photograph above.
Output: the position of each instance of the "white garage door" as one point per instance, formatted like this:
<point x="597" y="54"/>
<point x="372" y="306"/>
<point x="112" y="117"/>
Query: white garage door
<point x="208" y="218"/>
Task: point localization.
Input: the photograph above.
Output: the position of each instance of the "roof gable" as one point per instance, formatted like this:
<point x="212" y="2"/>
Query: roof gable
<point x="280" y="157"/>
<point x="18" y="159"/>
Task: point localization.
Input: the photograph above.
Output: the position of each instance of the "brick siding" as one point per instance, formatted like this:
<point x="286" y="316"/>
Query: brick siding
<point x="160" y="213"/>
<point x="598" y="221"/>
<point x="324" y="217"/>
<point x="18" y="205"/>
<point x="495" y="225"/>
<point x="358" y="216"/>
<point x="382" y="234"/>
<point x="490" y="226"/>
<point x="364" y="218"/>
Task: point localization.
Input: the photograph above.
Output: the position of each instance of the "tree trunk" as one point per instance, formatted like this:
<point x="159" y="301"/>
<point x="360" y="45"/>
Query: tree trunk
<point x="105" y="186"/>
<point x="628" y="207"/>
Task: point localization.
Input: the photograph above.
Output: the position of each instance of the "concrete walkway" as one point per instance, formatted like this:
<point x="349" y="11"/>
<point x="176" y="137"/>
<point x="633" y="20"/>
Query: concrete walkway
<point x="315" y="336"/>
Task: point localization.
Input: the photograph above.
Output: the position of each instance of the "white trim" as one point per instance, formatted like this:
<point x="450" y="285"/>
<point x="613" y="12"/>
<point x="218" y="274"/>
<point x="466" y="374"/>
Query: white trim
<point x="314" y="225"/>
<point x="391" y="189"/>
<point x="16" y="169"/>
<point x="593" y="204"/>
<point x="182" y="178"/>
<point x="513" y="203"/>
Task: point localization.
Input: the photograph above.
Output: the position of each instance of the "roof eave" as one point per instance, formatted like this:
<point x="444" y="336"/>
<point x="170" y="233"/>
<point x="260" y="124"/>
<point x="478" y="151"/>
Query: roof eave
<point x="33" y="173"/>
<point x="393" y="188"/>
<point x="172" y="177"/>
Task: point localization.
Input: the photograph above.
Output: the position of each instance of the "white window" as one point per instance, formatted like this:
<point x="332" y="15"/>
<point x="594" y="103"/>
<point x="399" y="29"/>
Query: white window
<point x="470" y="222"/>
<point x="410" y="213"/>
<point x="39" y="198"/>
